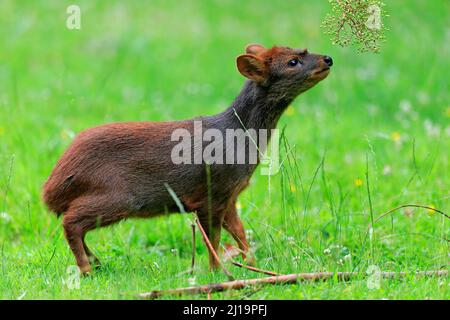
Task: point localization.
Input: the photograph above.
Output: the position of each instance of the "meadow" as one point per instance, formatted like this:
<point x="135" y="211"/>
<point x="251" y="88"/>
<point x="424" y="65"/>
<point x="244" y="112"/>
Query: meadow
<point x="372" y="136"/>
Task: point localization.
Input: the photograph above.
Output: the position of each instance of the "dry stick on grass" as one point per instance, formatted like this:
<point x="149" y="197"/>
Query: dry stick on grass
<point x="283" y="279"/>
<point x="211" y="249"/>
<point x="194" y="247"/>
<point x="238" y="264"/>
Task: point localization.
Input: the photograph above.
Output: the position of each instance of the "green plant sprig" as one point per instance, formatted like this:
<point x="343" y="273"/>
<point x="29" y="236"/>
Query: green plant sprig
<point x="356" y="22"/>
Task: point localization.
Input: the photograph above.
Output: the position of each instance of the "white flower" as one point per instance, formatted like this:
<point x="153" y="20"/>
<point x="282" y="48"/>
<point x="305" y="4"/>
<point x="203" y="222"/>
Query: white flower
<point x="192" y="281"/>
<point x="431" y="129"/>
<point x="387" y="170"/>
<point x="291" y="240"/>
<point x="5" y="216"/>
<point x="405" y="106"/>
<point x="348" y="158"/>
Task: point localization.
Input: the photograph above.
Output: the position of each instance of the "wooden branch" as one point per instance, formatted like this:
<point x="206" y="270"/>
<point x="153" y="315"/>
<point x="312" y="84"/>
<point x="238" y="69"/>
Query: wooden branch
<point x="283" y="279"/>
<point x="238" y="264"/>
<point x="212" y="251"/>
<point x="251" y="268"/>
<point x="193" y="248"/>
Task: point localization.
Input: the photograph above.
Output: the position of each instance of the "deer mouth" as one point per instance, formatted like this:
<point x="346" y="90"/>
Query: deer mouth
<point x="321" y="74"/>
<point x="322" y="70"/>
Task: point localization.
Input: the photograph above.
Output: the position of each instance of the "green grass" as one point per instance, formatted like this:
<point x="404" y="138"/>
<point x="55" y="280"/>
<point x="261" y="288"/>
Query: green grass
<point x="386" y="114"/>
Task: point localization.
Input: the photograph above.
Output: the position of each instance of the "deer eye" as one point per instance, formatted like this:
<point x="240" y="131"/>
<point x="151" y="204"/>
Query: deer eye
<point x="293" y="62"/>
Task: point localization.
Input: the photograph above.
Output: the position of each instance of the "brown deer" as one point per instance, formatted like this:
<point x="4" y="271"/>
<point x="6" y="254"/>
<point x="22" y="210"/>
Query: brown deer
<point x="124" y="170"/>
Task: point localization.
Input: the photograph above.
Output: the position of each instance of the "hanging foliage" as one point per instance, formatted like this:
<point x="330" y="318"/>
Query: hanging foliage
<point x="356" y="22"/>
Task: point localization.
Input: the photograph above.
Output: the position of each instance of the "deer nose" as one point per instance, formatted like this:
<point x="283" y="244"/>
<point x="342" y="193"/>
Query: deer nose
<point x="328" y="60"/>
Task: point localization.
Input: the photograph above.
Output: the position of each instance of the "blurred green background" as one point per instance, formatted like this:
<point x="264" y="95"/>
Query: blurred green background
<point x="386" y="114"/>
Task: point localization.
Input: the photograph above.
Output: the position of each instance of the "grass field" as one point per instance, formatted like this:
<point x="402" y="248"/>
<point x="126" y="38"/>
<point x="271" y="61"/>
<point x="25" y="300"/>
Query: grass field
<point x="385" y="116"/>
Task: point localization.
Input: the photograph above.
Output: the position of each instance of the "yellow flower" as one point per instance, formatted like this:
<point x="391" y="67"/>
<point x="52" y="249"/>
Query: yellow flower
<point x="430" y="211"/>
<point x="292" y="188"/>
<point x="67" y="134"/>
<point x="358" y="182"/>
<point x="290" y="111"/>
<point x="447" y="112"/>
<point x="238" y="206"/>
<point x="396" y="136"/>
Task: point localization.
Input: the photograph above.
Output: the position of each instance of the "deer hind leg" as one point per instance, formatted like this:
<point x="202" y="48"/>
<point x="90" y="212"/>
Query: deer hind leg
<point x="93" y="260"/>
<point x="233" y="224"/>
<point x="85" y="214"/>
<point x="74" y="235"/>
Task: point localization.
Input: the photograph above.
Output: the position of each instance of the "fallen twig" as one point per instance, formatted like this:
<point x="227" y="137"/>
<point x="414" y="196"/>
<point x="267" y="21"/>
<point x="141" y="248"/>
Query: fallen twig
<point x="194" y="247"/>
<point x="282" y="279"/>
<point x="238" y="264"/>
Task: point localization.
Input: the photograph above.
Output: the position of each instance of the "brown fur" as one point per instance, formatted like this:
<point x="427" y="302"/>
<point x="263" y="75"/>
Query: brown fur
<point x="121" y="170"/>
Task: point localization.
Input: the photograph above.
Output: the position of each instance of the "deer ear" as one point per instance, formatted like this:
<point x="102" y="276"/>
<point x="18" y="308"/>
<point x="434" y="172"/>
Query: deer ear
<point x="252" y="67"/>
<point x="254" y="48"/>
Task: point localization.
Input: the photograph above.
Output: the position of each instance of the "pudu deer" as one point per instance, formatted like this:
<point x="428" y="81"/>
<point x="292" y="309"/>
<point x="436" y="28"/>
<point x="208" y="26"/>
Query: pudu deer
<point x="123" y="170"/>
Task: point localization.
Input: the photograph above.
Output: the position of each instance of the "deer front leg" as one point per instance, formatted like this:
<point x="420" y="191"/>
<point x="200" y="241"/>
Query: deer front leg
<point x="233" y="224"/>
<point x="212" y="224"/>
